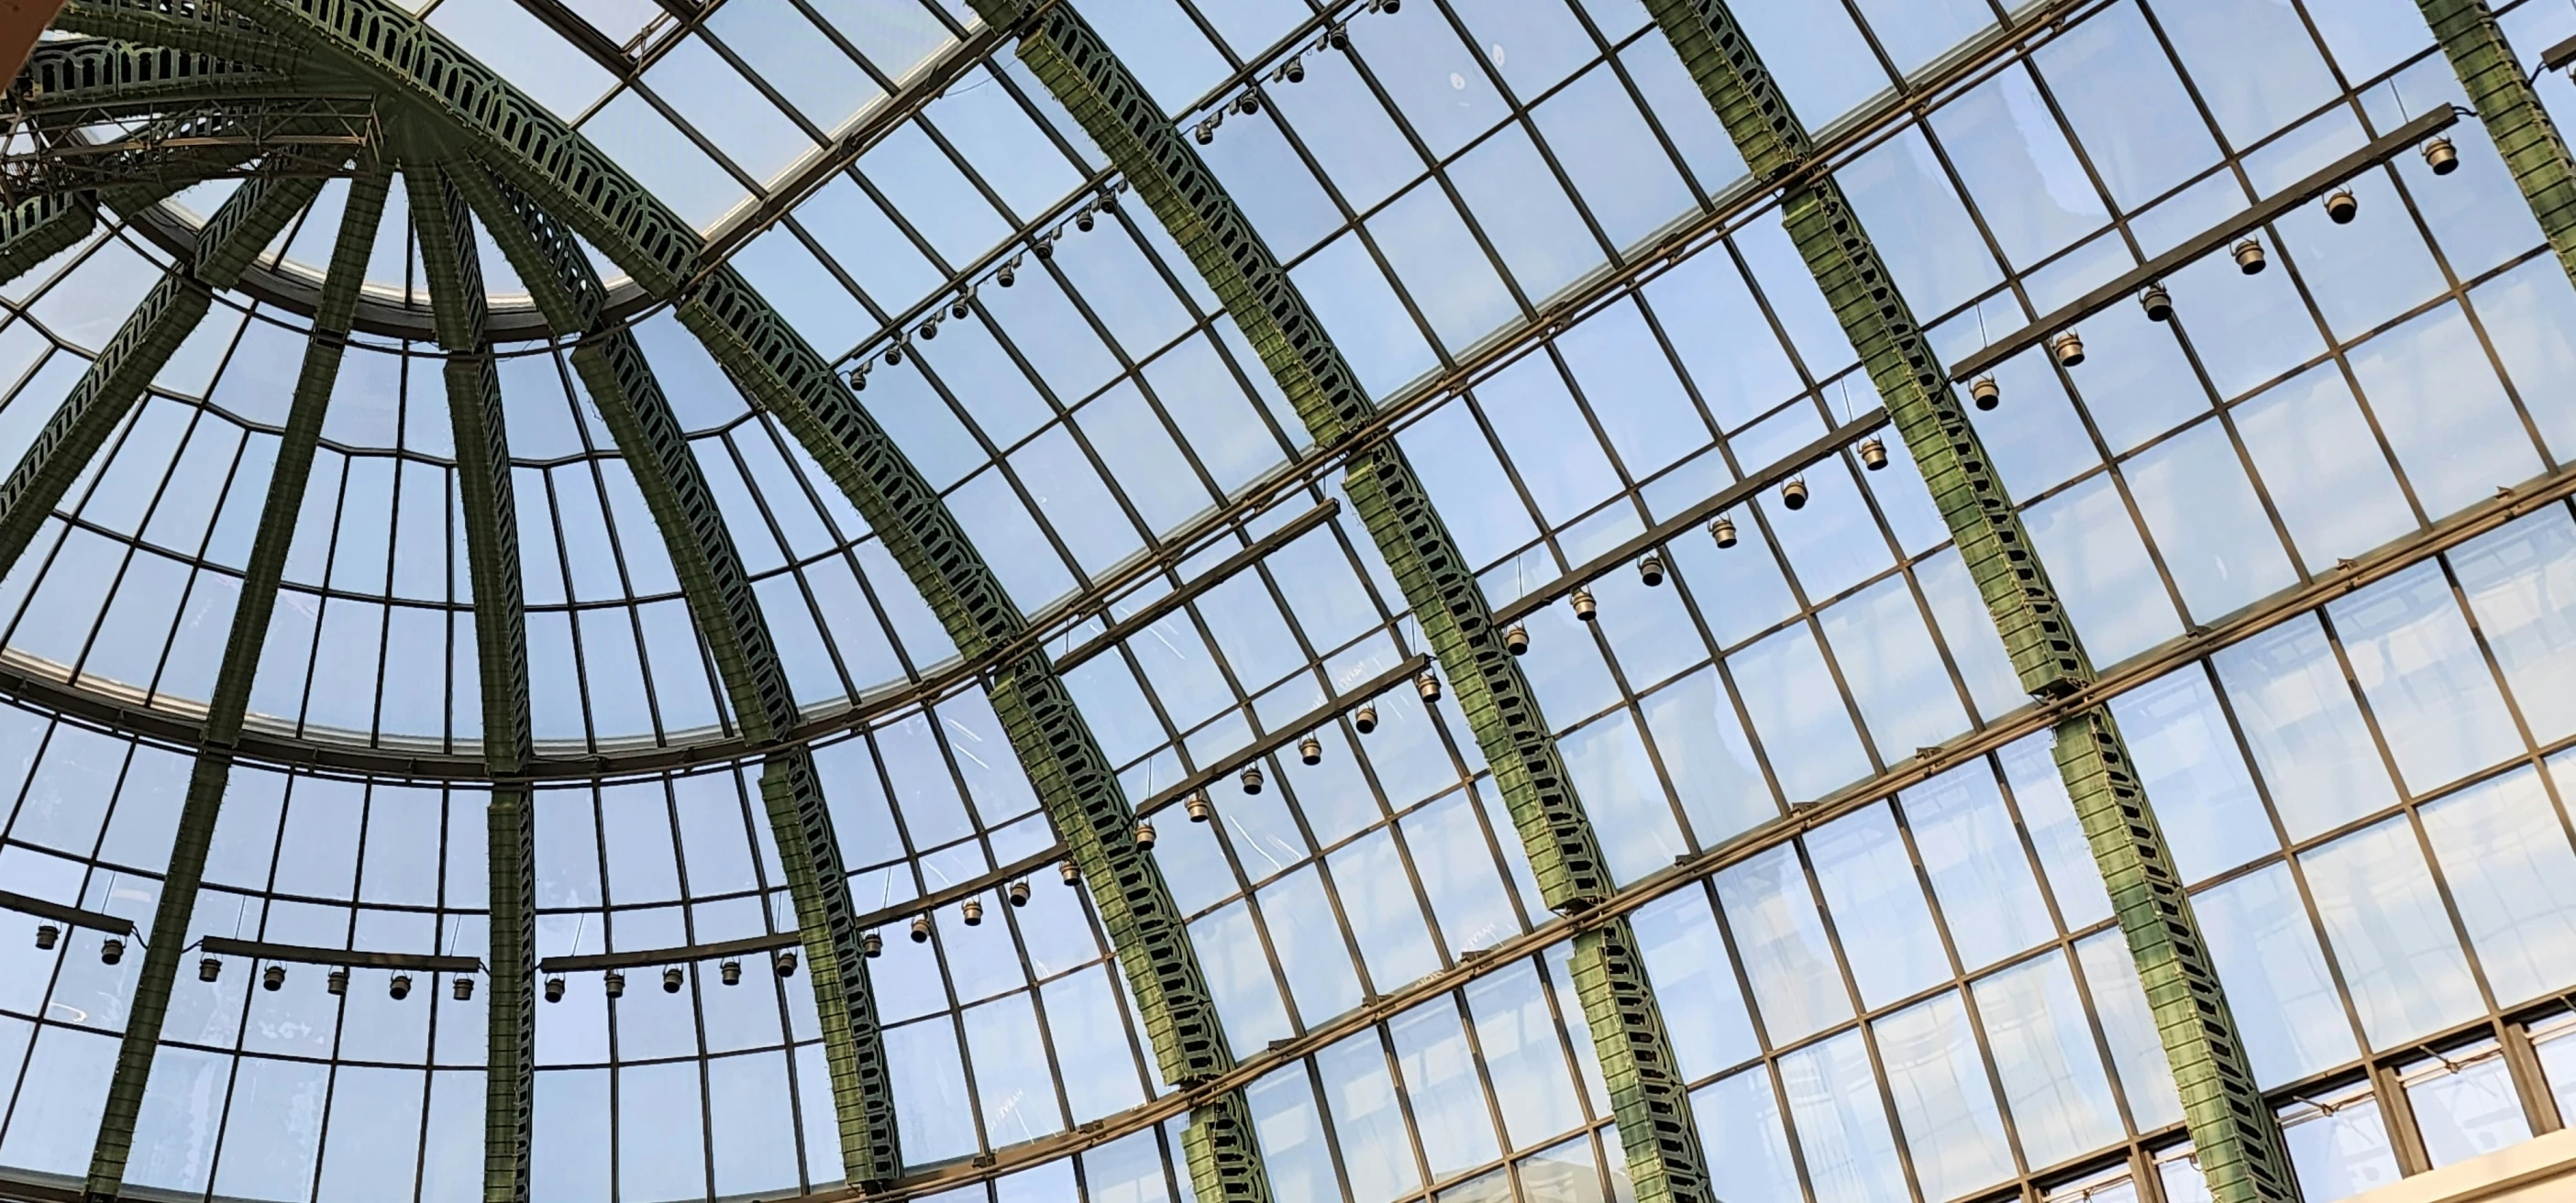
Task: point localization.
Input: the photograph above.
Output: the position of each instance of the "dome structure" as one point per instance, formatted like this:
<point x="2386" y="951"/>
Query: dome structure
<point x="1528" y="600"/>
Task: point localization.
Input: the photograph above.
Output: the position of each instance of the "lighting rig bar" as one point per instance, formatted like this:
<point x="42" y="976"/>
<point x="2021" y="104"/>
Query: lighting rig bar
<point x="226" y="946"/>
<point x="1287" y="733"/>
<point x="1127" y="628"/>
<point x="2216" y="237"/>
<point x="1786" y="467"/>
<point x="68" y="916"/>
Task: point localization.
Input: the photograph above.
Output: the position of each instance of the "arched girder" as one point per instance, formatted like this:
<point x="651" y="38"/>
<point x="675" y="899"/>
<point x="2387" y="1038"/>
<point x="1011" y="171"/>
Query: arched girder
<point x="2236" y="1137"/>
<point x="2506" y="102"/>
<point x="631" y="403"/>
<point x="40" y="227"/>
<point x="195" y="29"/>
<point x="1664" y="1152"/>
<point x="111" y="73"/>
<point x="213" y="769"/>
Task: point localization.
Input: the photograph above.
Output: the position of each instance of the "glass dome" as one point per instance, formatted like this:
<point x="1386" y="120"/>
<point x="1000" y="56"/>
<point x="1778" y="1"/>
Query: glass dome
<point x="2313" y="531"/>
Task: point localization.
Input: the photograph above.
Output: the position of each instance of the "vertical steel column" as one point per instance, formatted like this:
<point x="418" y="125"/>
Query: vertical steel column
<point x="2506" y="102"/>
<point x="718" y="591"/>
<point x="2236" y="1136"/>
<point x="1664" y="1155"/>
<point x="474" y="409"/>
<point x="266" y="206"/>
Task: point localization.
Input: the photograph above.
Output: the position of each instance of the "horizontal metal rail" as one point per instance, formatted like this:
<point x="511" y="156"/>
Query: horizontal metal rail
<point x="305" y="954"/>
<point x="2263" y="213"/>
<point x="1233" y="762"/>
<point x="1126" y="628"/>
<point x="70" y="916"/>
<point x="1787" y="466"/>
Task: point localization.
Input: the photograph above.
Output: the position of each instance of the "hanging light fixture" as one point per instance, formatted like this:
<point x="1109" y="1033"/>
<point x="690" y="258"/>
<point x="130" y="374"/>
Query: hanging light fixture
<point x="337" y="983"/>
<point x="2157" y="302"/>
<point x="1018" y="893"/>
<point x="1083" y="220"/>
<point x="859" y="378"/>
<point x="1071" y="873"/>
<point x="871" y="946"/>
<point x="2441" y="156"/>
<point x="1985" y="393"/>
<point x="1794" y="493"/>
<point x="894" y="352"/>
<point x="110" y="951"/>
<point x="462" y="989"/>
<point x="1310" y="750"/>
<point x="1427" y="683"/>
<point x="1723" y="530"/>
<point x="554" y="985"/>
<point x="1248" y="103"/>
<point x="730" y="972"/>
<point x="1009" y="273"/>
<point x="1252" y="779"/>
<point x="273" y="978"/>
<point x="1295" y="71"/>
<point x="1365" y="720"/>
<point x="47" y="935"/>
<point x="2342" y="206"/>
<point x="671" y="979"/>
<point x="400" y="987"/>
<point x="1516" y="639"/>
<point x="958" y="309"/>
<point x="2069" y="349"/>
<point x="921" y="929"/>
<point x="1044" y="247"/>
<point x="1205" y="133"/>
<point x="1585" y="609"/>
<point x="615" y="981"/>
<point x="1873" y="453"/>
<point x="786" y="961"/>
<point x="929" y="330"/>
<point x="1144" y="836"/>
<point x="209" y="969"/>
<point x="1200" y="810"/>
<point x="2249" y="256"/>
<point x="1650" y="568"/>
<point x="973" y="911"/>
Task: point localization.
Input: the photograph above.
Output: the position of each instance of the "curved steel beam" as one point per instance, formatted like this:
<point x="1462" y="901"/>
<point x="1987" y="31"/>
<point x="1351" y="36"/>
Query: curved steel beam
<point x="1665" y="1158"/>
<point x="2532" y="148"/>
<point x="103" y="73"/>
<point x="262" y="210"/>
<point x="2234" y="1131"/>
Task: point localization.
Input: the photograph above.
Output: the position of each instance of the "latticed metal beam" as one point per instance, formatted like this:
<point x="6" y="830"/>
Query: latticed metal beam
<point x="1663" y="1148"/>
<point x="260" y="577"/>
<point x="1664" y="1154"/>
<point x="105" y="72"/>
<point x="2236" y="1137"/>
<point x="648" y="434"/>
<point x="304" y="137"/>
<point x="184" y="26"/>
<point x="2532" y="148"/>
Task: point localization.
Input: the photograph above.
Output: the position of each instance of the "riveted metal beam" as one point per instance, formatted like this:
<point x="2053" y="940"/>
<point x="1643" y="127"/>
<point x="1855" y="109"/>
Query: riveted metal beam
<point x="182" y="26"/>
<point x="108" y="73"/>
<point x="1664" y="1154"/>
<point x="639" y="417"/>
<point x="213" y="769"/>
<point x="2237" y="1138"/>
<point x="2532" y="148"/>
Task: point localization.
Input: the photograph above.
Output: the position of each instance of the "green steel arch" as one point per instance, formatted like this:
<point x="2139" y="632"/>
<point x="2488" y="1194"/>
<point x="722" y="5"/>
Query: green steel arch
<point x="2236" y="1136"/>
<point x="2529" y="141"/>
<point x="1665" y="1159"/>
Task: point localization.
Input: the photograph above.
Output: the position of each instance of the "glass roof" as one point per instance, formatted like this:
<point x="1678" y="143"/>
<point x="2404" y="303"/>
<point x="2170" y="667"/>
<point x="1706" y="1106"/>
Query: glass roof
<point x="1920" y="999"/>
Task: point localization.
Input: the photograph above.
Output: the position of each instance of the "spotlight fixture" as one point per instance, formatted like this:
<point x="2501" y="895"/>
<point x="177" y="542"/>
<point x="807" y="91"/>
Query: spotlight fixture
<point x="894" y="353"/>
<point x="2069" y="349"/>
<point x="1390" y="7"/>
<point x="2342" y="207"/>
<point x="1310" y="750"/>
<point x="461" y="989"/>
<point x="337" y="983"/>
<point x="1794" y="493"/>
<point x="1650" y="569"/>
<point x="730" y="972"/>
<point x="209" y="969"/>
<point x="1427" y="683"/>
<point x="1516" y="639"/>
<point x="47" y="935"/>
<point x="973" y="911"/>
<point x="1144" y="835"/>
<point x="2157" y="302"/>
<point x="1365" y="720"/>
<point x="615" y="982"/>
<point x="1248" y="103"/>
<point x="1044" y="247"/>
<point x="859" y="378"/>
<point x="871" y="946"/>
<point x="110" y="951"/>
<point x="929" y="330"/>
<point x="1339" y="37"/>
<point x="1295" y="71"/>
<point x="400" y="987"/>
<point x="1199" y="808"/>
<point x="1873" y="453"/>
<point x="671" y="979"/>
<point x="1585" y="609"/>
<point x="921" y="929"/>
<point x="2441" y="156"/>
<point x="1070" y="872"/>
<point x="273" y="978"/>
<point x="1205" y="133"/>
<point x="554" y="986"/>
<point x="958" y="309"/>
<point x="1084" y="221"/>
<point x="1252" y="779"/>
<point x="1018" y="892"/>
<point x="1009" y="273"/>
<point x="785" y="962"/>
<point x="2249" y="256"/>
<point x="1985" y="393"/>
<point x="1723" y="530"/>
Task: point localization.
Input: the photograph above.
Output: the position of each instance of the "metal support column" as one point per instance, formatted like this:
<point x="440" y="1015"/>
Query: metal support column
<point x="2235" y="1134"/>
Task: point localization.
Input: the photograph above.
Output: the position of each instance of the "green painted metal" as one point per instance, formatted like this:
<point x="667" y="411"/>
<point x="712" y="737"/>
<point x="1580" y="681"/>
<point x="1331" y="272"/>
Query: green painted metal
<point x="213" y="769"/>
<point x="2236" y="1136"/>
<point x="648" y="434"/>
<point x="2520" y="127"/>
<point x="109" y="73"/>
<point x="1664" y="1154"/>
<point x="41" y="227"/>
<point x="181" y="26"/>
